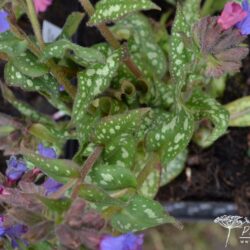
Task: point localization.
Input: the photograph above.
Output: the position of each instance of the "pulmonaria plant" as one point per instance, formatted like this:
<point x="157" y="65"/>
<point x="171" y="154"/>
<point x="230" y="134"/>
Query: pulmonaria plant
<point x="132" y="113"/>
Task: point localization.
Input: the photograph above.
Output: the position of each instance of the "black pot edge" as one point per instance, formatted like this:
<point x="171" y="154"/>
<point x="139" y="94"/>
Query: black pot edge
<point x="199" y="210"/>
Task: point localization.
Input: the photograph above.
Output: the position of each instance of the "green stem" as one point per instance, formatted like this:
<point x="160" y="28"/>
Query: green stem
<point x="151" y="165"/>
<point x="35" y="23"/>
<point x="110" y="38"/>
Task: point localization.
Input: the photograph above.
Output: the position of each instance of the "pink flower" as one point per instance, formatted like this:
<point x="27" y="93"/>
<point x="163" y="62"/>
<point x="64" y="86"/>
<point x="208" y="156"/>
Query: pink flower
<point x="231" y="14"/>
<point x="42" y="5"/>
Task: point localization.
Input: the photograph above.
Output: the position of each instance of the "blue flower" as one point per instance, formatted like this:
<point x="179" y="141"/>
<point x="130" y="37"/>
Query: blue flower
<point x="127" y="241"/>
<point x="14" y="232"/>
<point x="51" y="186"/>
<point x="16" y="168"/>
<point x="2" y="229"/>
<point x="46" y="152"/>
<point x="244" y="25"/>
<point x="4" y="25"/>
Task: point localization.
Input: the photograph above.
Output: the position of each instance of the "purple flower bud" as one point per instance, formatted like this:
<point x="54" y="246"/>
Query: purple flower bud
<point x="4" y="25"/>
<point x="127" y="241"/>
<point x="16" y="168"/>
<point x="46" y="152"/>
<point x="42" y="5"/>
<point x="51" y="186"/>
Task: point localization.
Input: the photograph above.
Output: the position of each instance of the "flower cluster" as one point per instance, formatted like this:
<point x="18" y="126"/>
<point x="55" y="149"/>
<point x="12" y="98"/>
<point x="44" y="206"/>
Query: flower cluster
<point x="14" y="231"/>
<point x="236" y="15"/>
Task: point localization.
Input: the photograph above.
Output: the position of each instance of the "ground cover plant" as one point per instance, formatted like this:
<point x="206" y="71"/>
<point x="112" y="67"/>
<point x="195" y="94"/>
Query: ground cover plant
<point x="133" y="104"/>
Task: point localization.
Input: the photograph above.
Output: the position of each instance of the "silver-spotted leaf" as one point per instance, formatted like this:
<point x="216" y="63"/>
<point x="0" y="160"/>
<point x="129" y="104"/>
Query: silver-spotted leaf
<point x="55" y="168"/>
<point x="170" y="170"/>
<point x="121" y="151"/>
<point x="178" y="54"/>
<point x="46" y="83"/>
<point x="59" y="206"/>
<point x="11" y="45"/>
<point x="96" y="195"/>
<point x="24" y="108"/>
<point x="151" y="185"/>
<point x="28" y="65"/>
<point x="139" y="33"/>
<point x="172" y="133"/>
<point x="191" y="8"/>
<point x="239" y="112"/>
<point x="141" y="213"/>
<point x="112" y="10"/>
<point x="204" y="106"/>
<point x="91" y="83"/>
<point x="81" y="55"/>
<point x="49" y="133"/>
<point x="112" y="126"/>
<point x="112" y="177"/>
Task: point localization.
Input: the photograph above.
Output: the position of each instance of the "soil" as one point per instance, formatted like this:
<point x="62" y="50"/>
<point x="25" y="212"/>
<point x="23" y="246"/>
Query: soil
<point x="218" y="173"/>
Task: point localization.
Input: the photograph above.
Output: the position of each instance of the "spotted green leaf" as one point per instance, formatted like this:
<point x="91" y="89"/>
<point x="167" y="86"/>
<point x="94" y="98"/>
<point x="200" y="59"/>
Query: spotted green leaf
<point x="58" y="206"/>
<point x="108" y="106"/>
<point x="177" y="52"/>
<point x="141" y="213"/>
<point x="71" y="25"/>
<point x="11" y="45"/>
<point x="170" y="170"/>
<point x="54" y="168"/>
<point x="151" y="185"/>
<point x="139" y="33"/>
<point x="204" y="106"/>
<point x="28" y="65"/>
<point x="172" y="133"/>
<point x="81" y="55"/>
<point x="112" y="177"/>
<point x="14" y="77"/>
<point x="112" y="126"/>
<point x="49" y="133"/>
<point x="112" y="10"/>
<point x="160" y="95"/>
<point x="182" y="49"/>
<point x="97" y="195"/>
<point x="91" y="83"/>
<point x="191" y="8"/>
<point x="24" y="108"/>
<point x="121" y="151"/>
<point x="239" y="112"/>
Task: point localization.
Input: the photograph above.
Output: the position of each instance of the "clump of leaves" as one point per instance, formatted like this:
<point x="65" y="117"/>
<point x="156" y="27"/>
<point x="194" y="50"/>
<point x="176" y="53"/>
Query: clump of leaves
<point x="132" y="113"/>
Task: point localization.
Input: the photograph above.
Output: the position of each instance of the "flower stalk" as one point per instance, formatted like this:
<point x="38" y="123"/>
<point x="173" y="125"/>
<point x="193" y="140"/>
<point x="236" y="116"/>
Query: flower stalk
<point x="35" y="23"/>
<point x="88" y="164"/>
